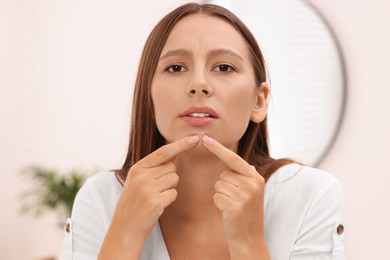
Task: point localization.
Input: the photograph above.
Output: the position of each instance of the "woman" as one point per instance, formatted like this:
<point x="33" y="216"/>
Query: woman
<point x="198" y="181"/>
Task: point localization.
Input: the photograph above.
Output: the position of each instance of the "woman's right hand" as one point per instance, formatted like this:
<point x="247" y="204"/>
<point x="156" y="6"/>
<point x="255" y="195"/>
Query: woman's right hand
<point x="150" y="187"/>
<point x="148" y="190"/>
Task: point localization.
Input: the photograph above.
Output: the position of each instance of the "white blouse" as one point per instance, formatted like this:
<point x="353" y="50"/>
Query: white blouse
<point x="304" y="217"/>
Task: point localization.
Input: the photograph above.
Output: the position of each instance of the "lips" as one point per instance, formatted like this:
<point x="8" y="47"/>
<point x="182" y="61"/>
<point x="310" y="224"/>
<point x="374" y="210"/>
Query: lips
<point x="199" y="110"/>
<point x="199" y="116"/>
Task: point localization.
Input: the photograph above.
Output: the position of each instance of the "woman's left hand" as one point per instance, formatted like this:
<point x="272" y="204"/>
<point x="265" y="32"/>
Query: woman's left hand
<point x="240" y="197"/>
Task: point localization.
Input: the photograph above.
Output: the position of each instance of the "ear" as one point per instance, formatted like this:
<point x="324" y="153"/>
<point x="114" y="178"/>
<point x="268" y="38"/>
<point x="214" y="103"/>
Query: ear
<point x="260" y="108"/>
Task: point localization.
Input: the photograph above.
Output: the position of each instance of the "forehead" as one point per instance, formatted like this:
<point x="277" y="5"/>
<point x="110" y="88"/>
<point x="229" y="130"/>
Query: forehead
<point x="204" y="32"/>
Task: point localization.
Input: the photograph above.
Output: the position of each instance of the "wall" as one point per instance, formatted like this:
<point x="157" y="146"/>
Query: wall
<point x="361" y="153"/>
<point x="46" y="74"/>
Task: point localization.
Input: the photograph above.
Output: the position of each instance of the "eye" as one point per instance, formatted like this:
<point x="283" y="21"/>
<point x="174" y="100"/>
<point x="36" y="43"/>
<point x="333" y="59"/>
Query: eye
<point x="175" y="68"/>
<point x="224" y="68"/>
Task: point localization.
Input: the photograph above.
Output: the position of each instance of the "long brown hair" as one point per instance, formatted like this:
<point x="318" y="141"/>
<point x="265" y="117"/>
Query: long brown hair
<point x="144" y="135"/>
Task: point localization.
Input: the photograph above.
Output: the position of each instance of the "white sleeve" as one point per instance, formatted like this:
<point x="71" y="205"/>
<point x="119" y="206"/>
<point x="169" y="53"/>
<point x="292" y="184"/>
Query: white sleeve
<point x="321" y="235"/>
<point x="85" y="231"/>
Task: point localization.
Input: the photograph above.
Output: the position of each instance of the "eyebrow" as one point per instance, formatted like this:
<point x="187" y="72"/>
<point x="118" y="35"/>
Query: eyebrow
<point x="220" y="52"/>
<point x="216" y="52"/>
<point x="175" y="52"/>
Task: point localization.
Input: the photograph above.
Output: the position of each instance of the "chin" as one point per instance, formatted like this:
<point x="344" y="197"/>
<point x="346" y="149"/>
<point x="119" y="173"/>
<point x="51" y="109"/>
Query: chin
<point x="198" y="152"/>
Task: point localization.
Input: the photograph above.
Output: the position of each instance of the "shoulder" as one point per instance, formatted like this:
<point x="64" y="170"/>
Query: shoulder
<point x="100" y="191"/>
<point x="301" y="177"/>
<point x="95" y="203"/>
<point x="101" y="182"/>
<point x="304" y="207"/>
<point x="103" y="179"/>
<point x="91" y="216"/>
<point x="300" y="189"/>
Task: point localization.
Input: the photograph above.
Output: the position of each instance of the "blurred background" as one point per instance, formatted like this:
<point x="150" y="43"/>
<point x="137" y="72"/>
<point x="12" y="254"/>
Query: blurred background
<point x="66" y="74"/>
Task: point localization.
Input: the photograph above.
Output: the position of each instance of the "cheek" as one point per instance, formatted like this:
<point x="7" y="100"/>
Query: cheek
<point x="241" y="103"/>
<point x="158" y="98"/>
<point x="239" y="109"/>
<point x="160" y="102"/>
<point x="164" y="92"/>
<point x="164" y="102"/>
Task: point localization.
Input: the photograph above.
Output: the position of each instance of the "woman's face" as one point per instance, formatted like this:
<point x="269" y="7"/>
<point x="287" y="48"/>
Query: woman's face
<point x="205" y="84"/>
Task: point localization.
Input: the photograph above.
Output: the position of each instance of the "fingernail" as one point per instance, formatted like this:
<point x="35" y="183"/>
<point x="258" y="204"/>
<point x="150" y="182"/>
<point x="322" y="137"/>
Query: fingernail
<point x="207" y="140"/>
<point x="193" y="139"/>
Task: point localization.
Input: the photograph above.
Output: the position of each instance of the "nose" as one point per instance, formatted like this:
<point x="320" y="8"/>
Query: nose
<point x="203" y="91"/>
<point x="200" y="86"/>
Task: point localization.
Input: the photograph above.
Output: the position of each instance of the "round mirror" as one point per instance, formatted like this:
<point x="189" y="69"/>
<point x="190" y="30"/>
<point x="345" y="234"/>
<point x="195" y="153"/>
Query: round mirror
<point x="306" y="75"/>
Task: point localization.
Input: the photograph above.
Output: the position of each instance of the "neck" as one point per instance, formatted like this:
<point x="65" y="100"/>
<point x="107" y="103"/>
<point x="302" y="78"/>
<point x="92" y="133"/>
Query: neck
<point x="198" y="170"/>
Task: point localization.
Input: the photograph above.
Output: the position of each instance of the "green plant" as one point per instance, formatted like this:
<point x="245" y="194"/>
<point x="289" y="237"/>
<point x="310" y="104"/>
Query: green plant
<point x="50" y="191"/>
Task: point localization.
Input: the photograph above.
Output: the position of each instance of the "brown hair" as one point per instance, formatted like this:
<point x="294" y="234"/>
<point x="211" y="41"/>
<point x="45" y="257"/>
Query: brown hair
<point x="144" y="135"/>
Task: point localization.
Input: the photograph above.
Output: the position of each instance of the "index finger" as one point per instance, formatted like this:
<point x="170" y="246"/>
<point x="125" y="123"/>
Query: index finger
<point x="230" y="158"/>
<point x="167" y="152"/>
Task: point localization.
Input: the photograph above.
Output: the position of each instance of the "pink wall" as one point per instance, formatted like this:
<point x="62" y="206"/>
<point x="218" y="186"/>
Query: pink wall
<point x="362" y="151"/>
